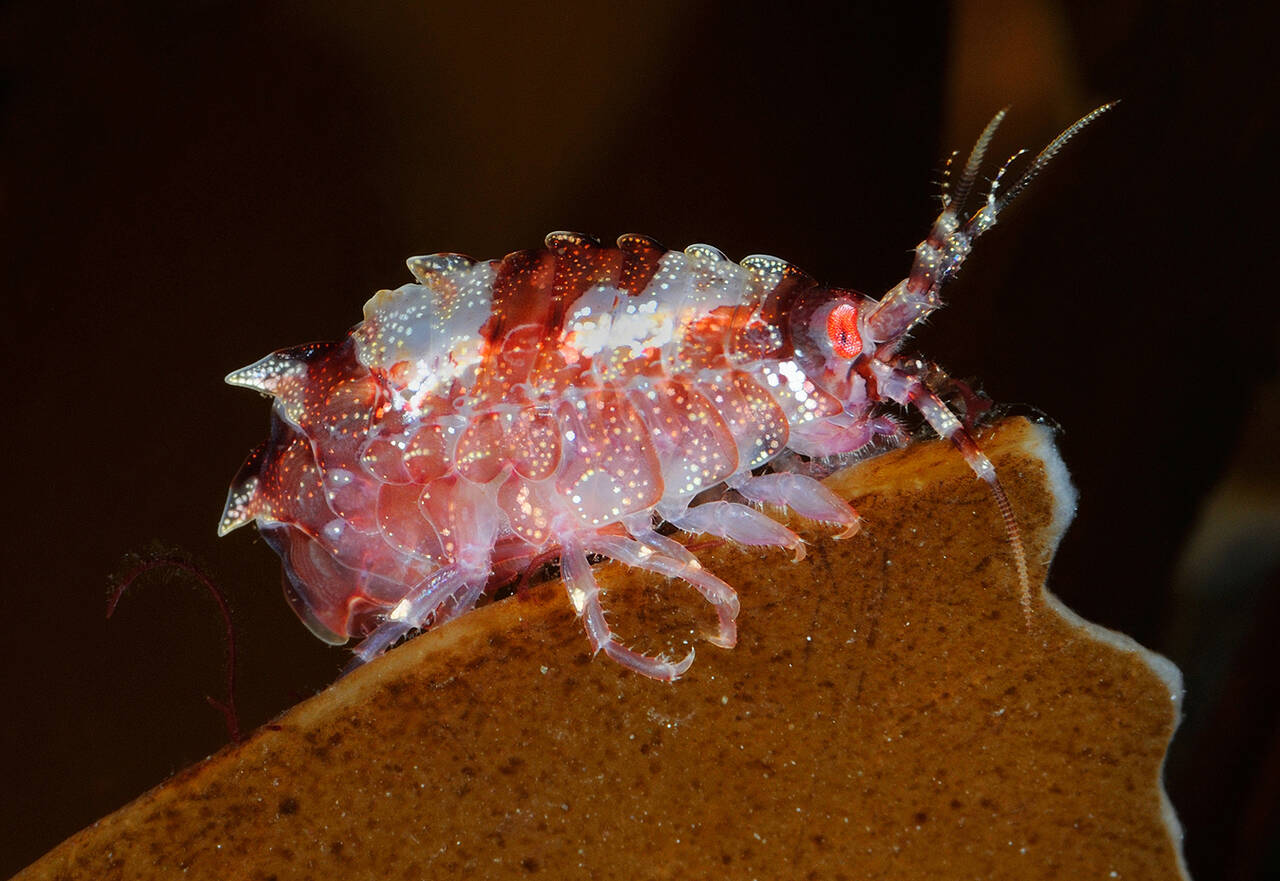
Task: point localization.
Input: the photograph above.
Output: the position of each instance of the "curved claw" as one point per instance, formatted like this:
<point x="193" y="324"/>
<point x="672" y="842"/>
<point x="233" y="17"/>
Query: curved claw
<point x="654" y="667"/>
<point x="849" y="532"/>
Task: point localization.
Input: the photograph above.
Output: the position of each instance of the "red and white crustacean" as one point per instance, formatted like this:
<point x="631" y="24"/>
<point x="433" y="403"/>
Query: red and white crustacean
<point x="560" y="401"/>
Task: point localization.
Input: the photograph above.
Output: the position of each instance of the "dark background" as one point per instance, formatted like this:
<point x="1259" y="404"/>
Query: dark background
<point x="186" y="186"/>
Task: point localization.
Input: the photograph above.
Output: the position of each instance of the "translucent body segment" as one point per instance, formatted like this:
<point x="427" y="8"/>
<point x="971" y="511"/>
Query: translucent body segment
<point x="532" y="443"/>
<point x="761" y="328"/>
<point x="338" y="402"/>
<point x="703" y="343"/>
<point x="682" y="316"/>
<point x="531" y="507"/>
<point x="767" y="271"/>
<point x="620" y="334"/>
<point x="465" y="517"/>
<point x="792" y="285"/>
<point x="466" y="522"/>
<point x="322" y="390"/>
<point x="243" y="501"/>
<point x="400" y="450"/>
<point x="402" y="525"/>
<point x="324" y="393"/>
<point x="290" y="487"/>
<point x="504" y="369"/>
<point x="607" y="317"/>
<point x="326" y="585"/>
<point x="284" y="376"/>
<point x="755" y="421"/>
<point x="796" y="394"/>
<point x="383" y="457"/>
<point x="505" y="375"/>
<point x="334" y="600"/>
<point x="352" y="493"/>
<point x="640" y="260"/>
<point x="480" y="454"/>
<point x="618" y="331"/>
<point x="582" y="262"/>
<point x="695" y="447"/>
<point x="424" y="337"/>
<point x="334" y="414"/>
<point x="428" y="337"/>
<point x="751" y="338"/>
<point x="523" y="439"/>
<point x="592" y="282"/>
<point x="714" y="288"/>
<point x="439" y="272"/>
<point x="526" y="306"/>
<point x="523" y="294"/>
<point x="679" y="293"/>
<point x="609" y="468"/>
<point x="290" y="493"/>
<point x="555" y="370"/>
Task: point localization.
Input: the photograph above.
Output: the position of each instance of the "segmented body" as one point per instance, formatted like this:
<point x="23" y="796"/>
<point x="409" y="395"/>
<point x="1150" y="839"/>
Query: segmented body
<point x="565" y="399"/>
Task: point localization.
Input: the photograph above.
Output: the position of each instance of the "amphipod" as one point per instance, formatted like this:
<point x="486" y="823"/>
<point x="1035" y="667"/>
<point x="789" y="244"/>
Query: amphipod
<point x="566" y="401"/>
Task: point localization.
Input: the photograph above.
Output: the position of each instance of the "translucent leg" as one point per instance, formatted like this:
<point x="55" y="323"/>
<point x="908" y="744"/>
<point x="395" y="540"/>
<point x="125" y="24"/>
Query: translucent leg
<point x="640" y="526"/>
<point x="715" y="591"/>
<point x="907" y="389"/>
<point x="463" y="600"/>
<point x="802" y="494"/>
<point x="739" y="523"/>
<point x="942" y="421"/>
<point x="414" y="610"/>
<point x="584" y="593"/>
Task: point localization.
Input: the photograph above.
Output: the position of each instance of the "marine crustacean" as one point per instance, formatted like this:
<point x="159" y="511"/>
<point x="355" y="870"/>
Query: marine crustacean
<point x="562" y="401"/>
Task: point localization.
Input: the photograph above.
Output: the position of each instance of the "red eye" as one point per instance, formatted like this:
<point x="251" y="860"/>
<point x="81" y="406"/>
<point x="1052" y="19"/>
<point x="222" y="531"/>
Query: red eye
<point x="842" y="329"/>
